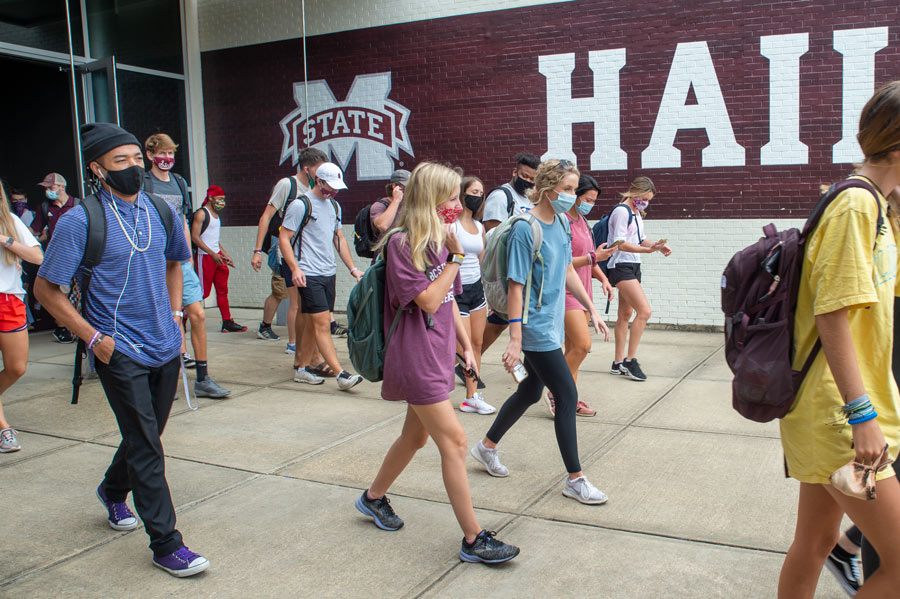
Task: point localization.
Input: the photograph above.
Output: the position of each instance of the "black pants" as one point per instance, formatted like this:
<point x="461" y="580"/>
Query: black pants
<point x="544" y="369"/>
<point x="141" y="398"/>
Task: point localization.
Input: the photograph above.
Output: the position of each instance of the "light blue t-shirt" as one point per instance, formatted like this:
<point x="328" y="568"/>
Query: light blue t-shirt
<point x="545" y="330"/>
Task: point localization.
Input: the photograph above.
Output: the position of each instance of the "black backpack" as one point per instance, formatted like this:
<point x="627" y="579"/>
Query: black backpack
<point x="364" y="235"/>
<point x="203" y="226"/>
<point x="186" y="206"/>
<point x="600" y="232"/>
<point x="278" y="217"/>
<point x="510" y="201"/>
<point x="94" y="246"/>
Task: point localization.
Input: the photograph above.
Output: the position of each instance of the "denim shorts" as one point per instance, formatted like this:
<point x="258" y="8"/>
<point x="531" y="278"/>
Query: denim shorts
<point x="191" y="291"/>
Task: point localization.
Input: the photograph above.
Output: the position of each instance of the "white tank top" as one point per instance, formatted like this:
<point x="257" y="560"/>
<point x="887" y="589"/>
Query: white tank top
<point x="211" y="235"/>
<point x="472" y="245"/>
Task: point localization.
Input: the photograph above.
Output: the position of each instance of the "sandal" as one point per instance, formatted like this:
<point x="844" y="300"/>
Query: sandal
<point x="322" y="369"/>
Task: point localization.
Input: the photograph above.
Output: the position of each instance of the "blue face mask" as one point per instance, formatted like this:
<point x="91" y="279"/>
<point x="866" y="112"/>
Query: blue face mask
<point x="563" y="202"/>
<point x="584" y="208"/>
<point x="51" y="195"/>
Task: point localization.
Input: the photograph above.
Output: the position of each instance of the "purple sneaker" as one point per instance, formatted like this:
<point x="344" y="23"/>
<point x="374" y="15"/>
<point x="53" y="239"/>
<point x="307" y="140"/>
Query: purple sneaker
<point x="183" y="562"/>
<point x="120" y="517"/>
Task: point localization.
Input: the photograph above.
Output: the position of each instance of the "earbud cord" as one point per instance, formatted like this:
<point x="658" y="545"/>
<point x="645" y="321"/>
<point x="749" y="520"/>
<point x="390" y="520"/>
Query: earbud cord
<point x="134" y="248"/>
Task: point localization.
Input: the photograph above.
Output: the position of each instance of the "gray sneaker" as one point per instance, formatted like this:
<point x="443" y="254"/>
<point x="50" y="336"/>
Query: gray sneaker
<point x="346" y="381"/>
<point x="209" y="388"/>
<point x="582" y="490"/>
<point x="8" y="441"/>
<point x="303" y="375"/>
<point x="490" y="459"/>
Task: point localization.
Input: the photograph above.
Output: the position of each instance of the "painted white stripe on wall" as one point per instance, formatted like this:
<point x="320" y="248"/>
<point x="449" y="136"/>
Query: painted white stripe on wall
<point x="683" y="289"/>
<point x="234" y="23"/>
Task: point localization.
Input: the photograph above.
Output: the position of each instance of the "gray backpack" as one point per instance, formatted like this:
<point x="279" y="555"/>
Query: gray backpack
<point x="494" y="266"/>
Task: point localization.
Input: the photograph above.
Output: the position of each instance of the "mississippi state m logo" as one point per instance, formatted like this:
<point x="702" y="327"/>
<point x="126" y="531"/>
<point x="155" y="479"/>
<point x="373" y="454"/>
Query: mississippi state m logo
<point x="366" y="122"/>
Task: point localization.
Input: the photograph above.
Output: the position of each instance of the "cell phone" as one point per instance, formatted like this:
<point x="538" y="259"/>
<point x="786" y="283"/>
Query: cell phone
<point x="615" y="243"/>
<point x="663" y="241"/>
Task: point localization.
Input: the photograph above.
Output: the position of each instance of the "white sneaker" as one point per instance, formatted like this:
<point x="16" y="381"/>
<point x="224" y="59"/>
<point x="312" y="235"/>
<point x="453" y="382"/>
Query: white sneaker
<point x="477" y="404"/>
<point x="582" y="490"/>
<point x="304" y="376"/>
<point x="345" y="380"/>
<point x="490" y="459"/>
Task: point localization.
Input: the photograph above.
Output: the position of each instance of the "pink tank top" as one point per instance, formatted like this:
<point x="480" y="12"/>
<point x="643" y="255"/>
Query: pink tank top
<point x="582" y="244"/>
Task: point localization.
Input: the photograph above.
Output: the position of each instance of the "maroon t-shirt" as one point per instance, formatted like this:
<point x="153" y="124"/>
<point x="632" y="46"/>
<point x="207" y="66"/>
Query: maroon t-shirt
<point x="418" y="366"/>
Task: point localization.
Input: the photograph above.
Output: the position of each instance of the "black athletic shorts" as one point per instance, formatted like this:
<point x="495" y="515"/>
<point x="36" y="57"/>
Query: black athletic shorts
<point x="318" y="295"/>
<point x="471" y="299"/>
<point x="624" y="271"/>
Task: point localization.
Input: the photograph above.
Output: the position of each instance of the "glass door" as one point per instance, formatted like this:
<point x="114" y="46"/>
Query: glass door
<point x="100" y="91"/>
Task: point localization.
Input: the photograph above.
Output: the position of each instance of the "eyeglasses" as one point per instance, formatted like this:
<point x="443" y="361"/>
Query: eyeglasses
<point x="566" y="163"/>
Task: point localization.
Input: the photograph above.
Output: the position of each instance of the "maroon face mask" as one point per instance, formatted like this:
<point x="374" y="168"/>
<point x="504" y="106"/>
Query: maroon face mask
<point x="164" y="163"/>
<point x="449" y="215"/>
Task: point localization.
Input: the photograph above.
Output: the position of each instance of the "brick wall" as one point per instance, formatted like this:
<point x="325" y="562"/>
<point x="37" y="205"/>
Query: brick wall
<point x="737" y="110"/>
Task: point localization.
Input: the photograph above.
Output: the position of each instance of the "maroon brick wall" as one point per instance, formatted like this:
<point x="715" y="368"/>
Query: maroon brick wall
<point x="476" y="96"/>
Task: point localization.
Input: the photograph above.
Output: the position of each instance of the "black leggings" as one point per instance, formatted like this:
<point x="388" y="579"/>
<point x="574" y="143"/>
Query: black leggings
<point x="548" y="369"/>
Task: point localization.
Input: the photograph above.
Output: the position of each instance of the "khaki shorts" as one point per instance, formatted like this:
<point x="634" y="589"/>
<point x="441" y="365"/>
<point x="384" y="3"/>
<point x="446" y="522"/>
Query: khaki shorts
<point x="279" y="290"/>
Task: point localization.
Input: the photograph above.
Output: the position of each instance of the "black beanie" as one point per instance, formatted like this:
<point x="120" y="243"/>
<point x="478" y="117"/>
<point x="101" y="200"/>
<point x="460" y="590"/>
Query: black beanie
<point x="99" y="138"/>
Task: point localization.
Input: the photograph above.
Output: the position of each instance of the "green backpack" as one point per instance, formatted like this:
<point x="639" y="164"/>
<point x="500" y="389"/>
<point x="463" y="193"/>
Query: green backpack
<point x="496" y="262"/>
<point x="365" y="321"/>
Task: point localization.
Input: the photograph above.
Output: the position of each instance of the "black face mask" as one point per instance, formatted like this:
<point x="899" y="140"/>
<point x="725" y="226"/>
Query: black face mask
<point x="126" y="181"/>
<point x="473" y="203"/>
<point x="521" y="185"/>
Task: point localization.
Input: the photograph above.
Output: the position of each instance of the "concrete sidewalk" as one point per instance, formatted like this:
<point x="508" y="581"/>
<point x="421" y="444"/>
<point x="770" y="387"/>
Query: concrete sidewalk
<point x="265" y="481"/>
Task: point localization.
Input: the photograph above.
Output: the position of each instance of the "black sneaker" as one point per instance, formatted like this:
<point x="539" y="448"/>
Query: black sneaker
<point x="62" y="335"/>
<point x="461" y="375"/>
<point x="189" y="362"/>
<point x="616" y="368"/>
<point x="487" y="549"/>
<point x="338" y="330"/>
<point x="266" y="333"/>
<point x="632" y="370"/>
<point x="380" y="511"/>
<point x="845" y="570"/>
<point x="230" y="326"/>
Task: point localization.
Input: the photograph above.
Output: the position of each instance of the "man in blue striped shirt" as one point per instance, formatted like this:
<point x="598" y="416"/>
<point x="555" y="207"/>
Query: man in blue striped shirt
<point x="132" y="323"/>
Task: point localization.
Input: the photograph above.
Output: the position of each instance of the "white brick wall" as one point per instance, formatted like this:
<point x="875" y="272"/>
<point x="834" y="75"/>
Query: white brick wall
<point x="684" y="289"/>
<point x="233" y="23"/>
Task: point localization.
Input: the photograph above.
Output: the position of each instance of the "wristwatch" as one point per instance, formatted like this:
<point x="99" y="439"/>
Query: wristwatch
<point x="9" y="241"/>
<point x="455" y="259"/>
<point x="593" y="256"/>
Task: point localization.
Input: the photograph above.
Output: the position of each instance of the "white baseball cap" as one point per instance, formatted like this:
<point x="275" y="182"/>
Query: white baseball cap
<point x="331" y="174"/>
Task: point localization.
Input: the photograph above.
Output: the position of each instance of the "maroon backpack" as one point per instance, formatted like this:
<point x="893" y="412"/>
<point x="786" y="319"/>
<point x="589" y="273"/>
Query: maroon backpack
<point x="759" y="296"/>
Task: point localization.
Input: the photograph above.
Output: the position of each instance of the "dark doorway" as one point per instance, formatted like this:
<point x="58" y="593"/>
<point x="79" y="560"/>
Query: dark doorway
<point x="36" y="127"/>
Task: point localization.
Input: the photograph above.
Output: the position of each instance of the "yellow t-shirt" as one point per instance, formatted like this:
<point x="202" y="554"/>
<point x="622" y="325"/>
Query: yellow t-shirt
<point x="840" y="270"/>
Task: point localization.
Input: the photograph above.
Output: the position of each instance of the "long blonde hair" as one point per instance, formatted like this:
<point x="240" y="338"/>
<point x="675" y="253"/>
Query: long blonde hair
<point x="429" y="184"/>
<point x="7" y="227"/>
<point x="549" y="174"/>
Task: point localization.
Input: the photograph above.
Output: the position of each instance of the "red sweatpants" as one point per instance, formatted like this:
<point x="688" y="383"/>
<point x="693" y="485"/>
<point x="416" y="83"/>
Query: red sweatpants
<point x="211" y="273"/>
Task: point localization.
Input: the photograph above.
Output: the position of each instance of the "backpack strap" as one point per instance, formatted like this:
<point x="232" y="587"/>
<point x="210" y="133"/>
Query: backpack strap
<point x="186" y="205"/>
<point x="95" y="244"/>
<point x="307" y="213"/>
<point x="537" y="239"/>
<point x="811" y="223"/>
<point x="165" y="215"/>
<point x="510" y="202"/>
